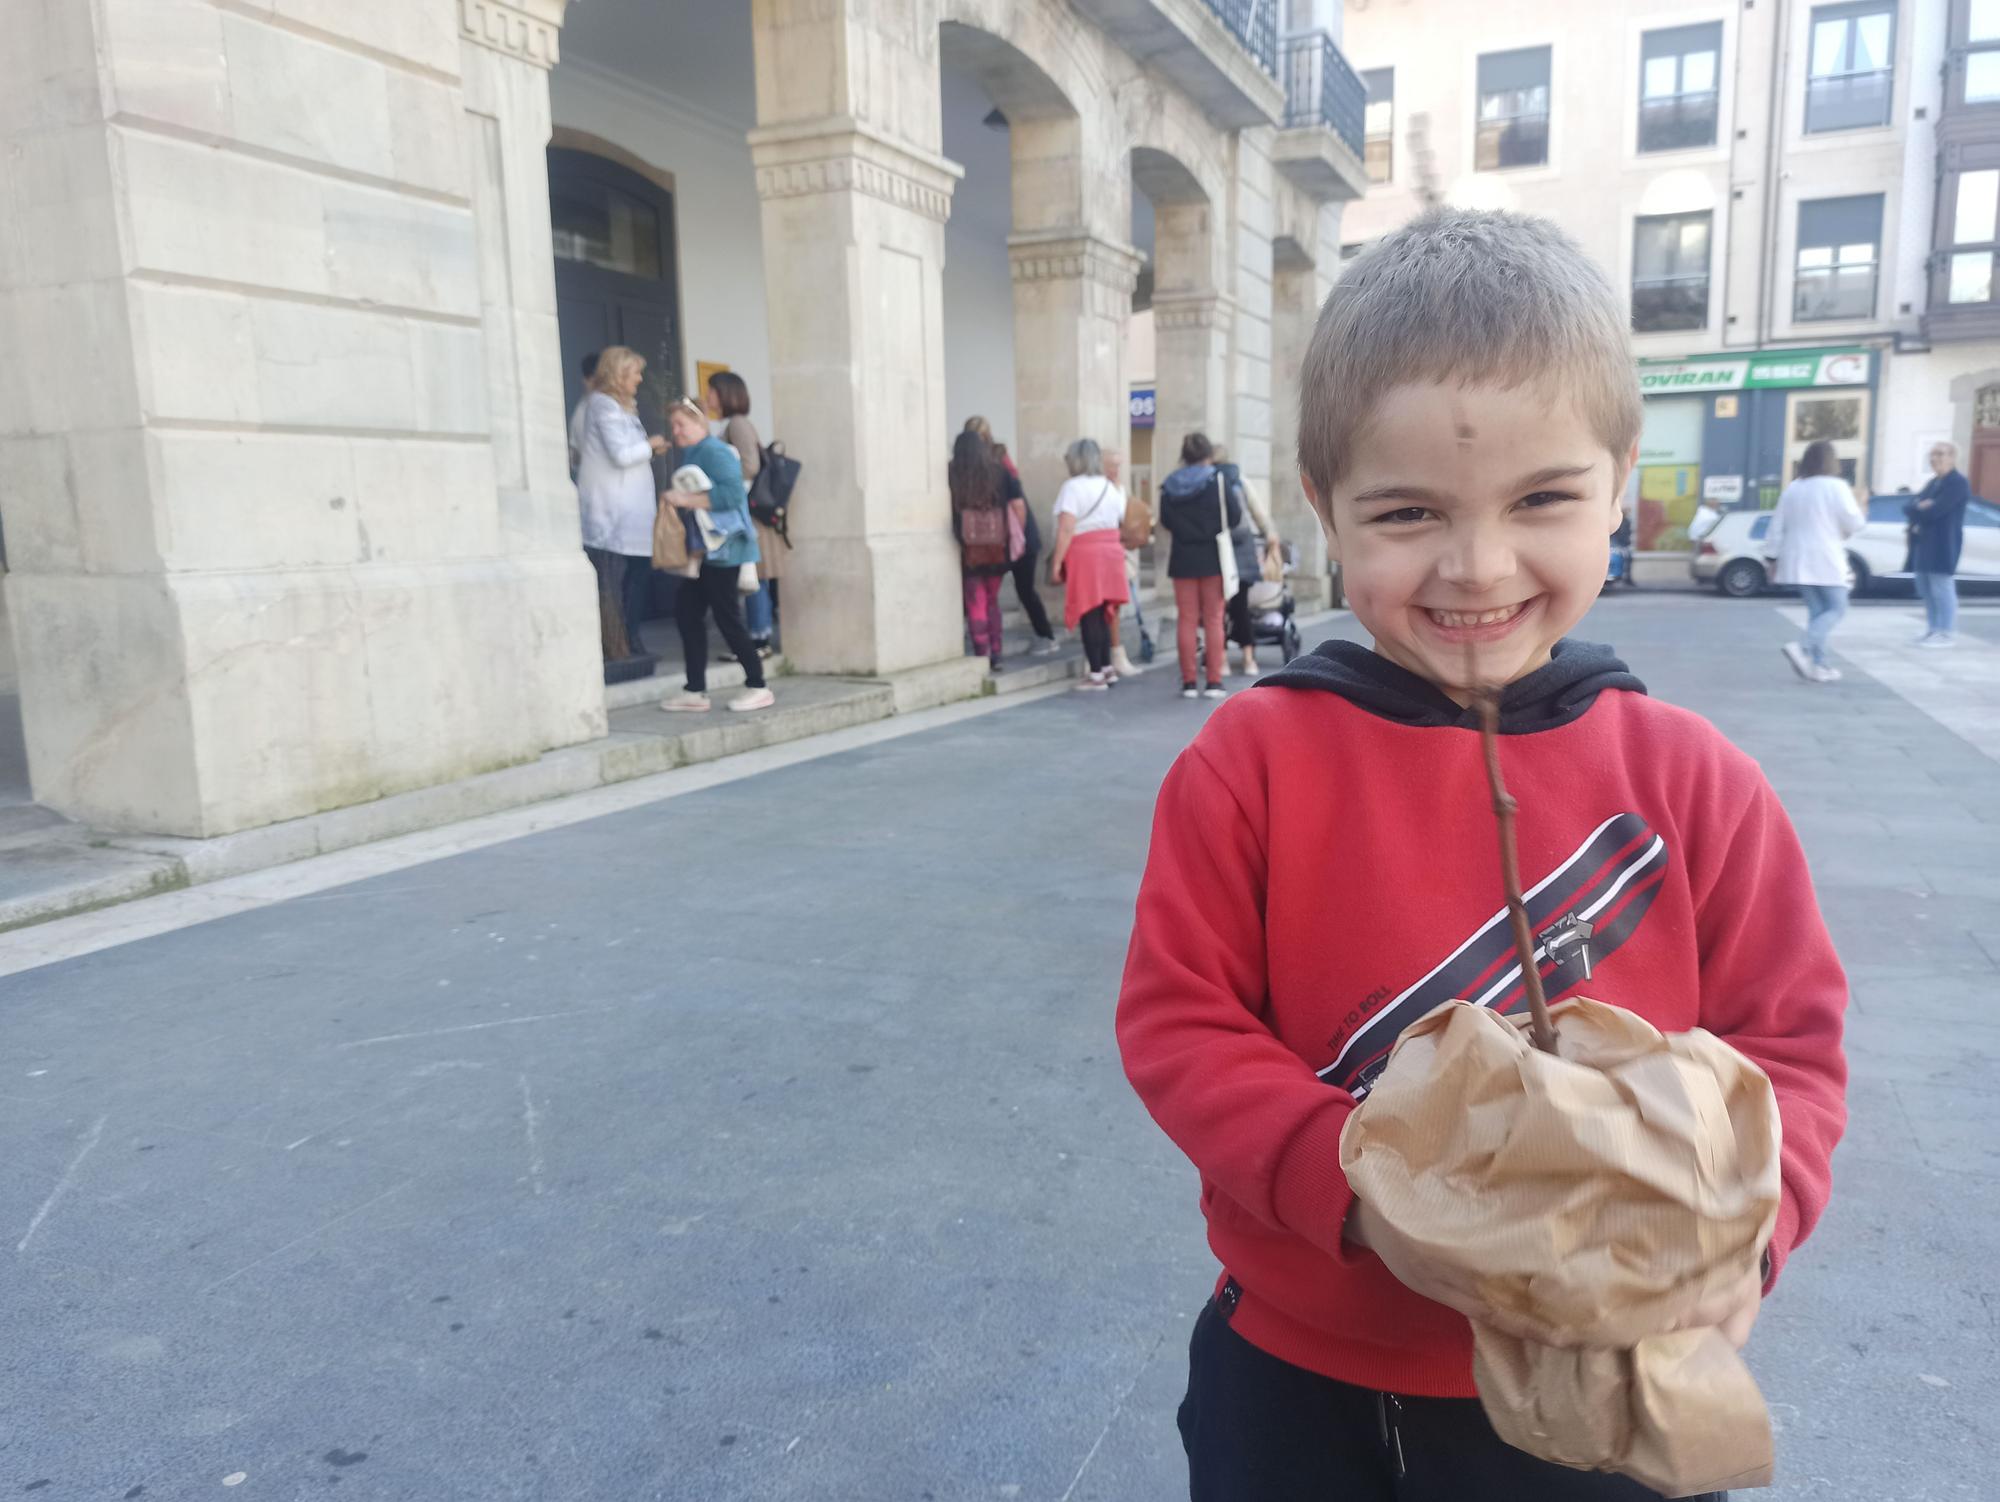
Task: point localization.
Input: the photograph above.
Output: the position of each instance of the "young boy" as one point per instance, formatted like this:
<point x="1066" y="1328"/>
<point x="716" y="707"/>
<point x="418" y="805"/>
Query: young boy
<point x="1324" y="868"/>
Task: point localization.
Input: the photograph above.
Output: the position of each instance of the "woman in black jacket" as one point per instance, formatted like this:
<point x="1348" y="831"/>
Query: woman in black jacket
<point x="1937" y="532"/>
<point x="1196" y="505"/>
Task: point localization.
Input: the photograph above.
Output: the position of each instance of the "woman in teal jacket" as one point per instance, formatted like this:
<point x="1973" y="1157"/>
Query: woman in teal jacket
<point x="716" y="589"/>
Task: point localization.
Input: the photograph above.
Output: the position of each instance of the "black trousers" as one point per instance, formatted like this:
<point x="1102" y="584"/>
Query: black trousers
<point x="1240" y="630"/>
<point x="635" y="597"/>
<point x="715" y="592"/>
<point x="1257" y="1429"/>
<point x="1096" y="630"/>
<point x="1030" y="597"/>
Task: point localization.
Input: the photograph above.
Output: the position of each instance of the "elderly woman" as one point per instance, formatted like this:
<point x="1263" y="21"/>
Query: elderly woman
<point x="614" y="487"/>
<point x="723" y="508"/>
<point x="1089" y="561"/>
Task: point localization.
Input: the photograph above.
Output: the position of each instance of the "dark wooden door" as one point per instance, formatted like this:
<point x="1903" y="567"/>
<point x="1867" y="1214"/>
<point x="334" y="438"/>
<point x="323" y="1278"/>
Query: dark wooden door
<point x="615" y="274"/>
<point x="1985" y="471"/>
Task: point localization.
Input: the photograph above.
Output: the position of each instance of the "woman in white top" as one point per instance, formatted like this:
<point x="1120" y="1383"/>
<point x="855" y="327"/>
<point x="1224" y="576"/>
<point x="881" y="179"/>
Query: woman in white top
<point x="1089" y="561"/>
<point x="614" y="488"/>
<point x="1808" y="538"/>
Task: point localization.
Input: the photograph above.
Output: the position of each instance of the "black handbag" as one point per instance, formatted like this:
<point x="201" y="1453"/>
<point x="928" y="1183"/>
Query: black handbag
<point x="771" y="491"/>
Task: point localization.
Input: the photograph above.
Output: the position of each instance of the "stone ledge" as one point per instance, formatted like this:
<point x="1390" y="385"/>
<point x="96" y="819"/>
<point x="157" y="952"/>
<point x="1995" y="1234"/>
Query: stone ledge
<point x="71" y="871"/>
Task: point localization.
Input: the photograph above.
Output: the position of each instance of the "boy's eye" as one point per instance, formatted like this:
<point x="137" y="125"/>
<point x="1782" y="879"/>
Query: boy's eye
<point x="1403" y="516"/>
<point x="1547" y="498"/>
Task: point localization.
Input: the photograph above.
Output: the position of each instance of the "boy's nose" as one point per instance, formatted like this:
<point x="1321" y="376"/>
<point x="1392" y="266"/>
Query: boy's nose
<point x="1477" y="560"/>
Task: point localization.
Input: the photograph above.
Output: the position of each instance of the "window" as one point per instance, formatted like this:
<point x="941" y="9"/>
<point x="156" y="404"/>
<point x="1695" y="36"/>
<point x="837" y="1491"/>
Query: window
<point x="1982" y="56"/>
<point x="1975" y="229"/>
<point x="1839" y="246"/>
<point x="1513" y="109"/>
<point x="1760" y="528"/>
<point x="1886" y="508"/>
<point x="1678" y="70"/>
<point x="1980" y="513"/>
<point x="594" y="223"/>
<point x="1851" y="65"/>
<point x="1379" y="133"/>
<point x="1670" y="273"/>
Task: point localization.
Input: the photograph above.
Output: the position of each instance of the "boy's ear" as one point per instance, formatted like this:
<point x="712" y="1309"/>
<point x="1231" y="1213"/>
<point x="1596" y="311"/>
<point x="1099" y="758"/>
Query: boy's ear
<point x="1625" y="473"/>
<point x="1325" y="516"/>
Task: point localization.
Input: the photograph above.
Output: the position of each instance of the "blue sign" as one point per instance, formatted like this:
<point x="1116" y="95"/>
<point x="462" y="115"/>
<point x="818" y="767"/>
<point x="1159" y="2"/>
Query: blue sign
<point x="1143" y="405"/>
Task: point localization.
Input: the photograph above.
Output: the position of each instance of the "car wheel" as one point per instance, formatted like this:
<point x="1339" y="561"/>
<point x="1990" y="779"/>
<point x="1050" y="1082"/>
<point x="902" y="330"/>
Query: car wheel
<point x="1864" y="582"/>
<point x="1741" y="578"/>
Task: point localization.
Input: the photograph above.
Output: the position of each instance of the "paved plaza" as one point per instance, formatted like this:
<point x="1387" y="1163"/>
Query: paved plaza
<point x="764" y="1137"/>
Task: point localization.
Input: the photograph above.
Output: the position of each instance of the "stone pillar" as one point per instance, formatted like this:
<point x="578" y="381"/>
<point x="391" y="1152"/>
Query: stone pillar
<point x="855" y="196"/>
<point x="248" y="415"/>
<point x="1072" y="297"/>
<point x="1191" y="328"/>
<point x="1294" y="310"/>
<point x="1249" y="284"/>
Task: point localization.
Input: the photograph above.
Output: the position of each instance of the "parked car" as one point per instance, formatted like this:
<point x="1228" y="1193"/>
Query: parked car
<point x="1730" y="552"/>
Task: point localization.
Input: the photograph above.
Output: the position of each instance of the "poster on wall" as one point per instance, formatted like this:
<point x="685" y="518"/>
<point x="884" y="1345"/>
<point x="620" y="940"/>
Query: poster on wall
<point x="703" y="369"/>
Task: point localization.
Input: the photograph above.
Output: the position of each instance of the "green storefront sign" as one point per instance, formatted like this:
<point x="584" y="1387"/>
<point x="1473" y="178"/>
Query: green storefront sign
<point x="1773" y="370"/>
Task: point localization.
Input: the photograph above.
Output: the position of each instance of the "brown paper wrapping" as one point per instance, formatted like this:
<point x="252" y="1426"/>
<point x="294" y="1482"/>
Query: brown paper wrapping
<point x="1593" y="1194"/>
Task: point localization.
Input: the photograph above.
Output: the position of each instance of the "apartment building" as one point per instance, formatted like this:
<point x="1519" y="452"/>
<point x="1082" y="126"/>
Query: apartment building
<point x="1801" y="201"/>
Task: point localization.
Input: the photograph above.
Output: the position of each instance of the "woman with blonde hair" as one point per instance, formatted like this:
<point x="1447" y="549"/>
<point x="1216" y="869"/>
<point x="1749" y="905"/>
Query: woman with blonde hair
<point x="614" y="490"/>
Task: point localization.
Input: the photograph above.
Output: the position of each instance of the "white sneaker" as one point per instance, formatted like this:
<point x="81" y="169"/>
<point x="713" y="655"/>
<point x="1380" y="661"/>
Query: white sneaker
<point x="753" y="698"/>
<point x="1092" y="683"/>
<point x="1215" y="691"/>
<point x="1048" y="646"/>
<point x="1938" y="640"/>
<point x="689" y="702"/>
<point x="1126" y="667"/>
<point x="1796" y="656"/>
<point x="1825" y="675"/>
<point x="1189" y="691"/>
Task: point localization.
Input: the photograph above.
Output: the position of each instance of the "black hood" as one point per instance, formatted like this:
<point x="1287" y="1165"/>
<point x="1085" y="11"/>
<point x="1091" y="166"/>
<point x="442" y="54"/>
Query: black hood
<point x="1577" y="672"/>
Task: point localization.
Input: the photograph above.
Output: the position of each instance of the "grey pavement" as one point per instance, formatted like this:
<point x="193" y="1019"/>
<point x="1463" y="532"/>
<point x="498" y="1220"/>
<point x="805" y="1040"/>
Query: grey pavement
<point x="771" y="1143"/>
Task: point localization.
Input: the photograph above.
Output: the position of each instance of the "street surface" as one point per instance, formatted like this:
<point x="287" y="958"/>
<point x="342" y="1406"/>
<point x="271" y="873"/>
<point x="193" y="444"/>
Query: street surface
<point x="770" y="1142"/>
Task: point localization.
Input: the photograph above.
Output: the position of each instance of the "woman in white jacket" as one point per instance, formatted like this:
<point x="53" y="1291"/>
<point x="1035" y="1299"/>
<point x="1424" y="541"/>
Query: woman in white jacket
<point x="614" y="487"/>
<point x="1808" y="538"/>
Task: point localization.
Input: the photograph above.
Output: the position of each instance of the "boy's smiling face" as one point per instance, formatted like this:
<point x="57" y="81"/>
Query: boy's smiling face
<point x="1471" y="514"/>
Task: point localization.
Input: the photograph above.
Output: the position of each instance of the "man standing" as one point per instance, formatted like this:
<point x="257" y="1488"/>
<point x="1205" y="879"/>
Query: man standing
<point x="1937" y="532"/>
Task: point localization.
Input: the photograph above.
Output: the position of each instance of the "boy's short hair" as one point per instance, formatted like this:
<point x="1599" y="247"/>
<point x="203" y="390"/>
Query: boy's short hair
<point x="1481" y="297"/>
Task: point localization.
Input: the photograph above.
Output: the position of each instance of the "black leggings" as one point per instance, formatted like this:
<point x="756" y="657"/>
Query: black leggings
<point x="1023" y="570"/>
<point x="1096" y="629"/>
<point x="1257" y="1427"/>
<point x="1240" y="630"/>
<point x="715" y="590"/>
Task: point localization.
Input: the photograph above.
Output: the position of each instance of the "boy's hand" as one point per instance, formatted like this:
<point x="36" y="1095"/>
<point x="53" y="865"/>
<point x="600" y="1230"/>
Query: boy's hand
<point x="1732" y="1312"/>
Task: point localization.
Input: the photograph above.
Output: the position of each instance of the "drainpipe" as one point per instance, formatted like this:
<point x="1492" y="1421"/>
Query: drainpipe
<point x="1768" y="252"/>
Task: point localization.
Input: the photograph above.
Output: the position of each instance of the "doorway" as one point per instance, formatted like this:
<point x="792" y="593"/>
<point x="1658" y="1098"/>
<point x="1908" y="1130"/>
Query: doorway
<point x="617" y="282"/>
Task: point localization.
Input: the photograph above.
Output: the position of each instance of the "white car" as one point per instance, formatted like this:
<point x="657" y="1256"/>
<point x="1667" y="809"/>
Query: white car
<point x="1729" y="552"/>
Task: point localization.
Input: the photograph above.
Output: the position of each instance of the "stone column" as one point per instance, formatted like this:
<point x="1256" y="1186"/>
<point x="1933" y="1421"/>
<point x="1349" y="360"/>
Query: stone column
<point x="855" y="196"/>
<point x="1072" y="297"/>
<point x="1249" y="283"/>
<point x="1294" y="310"/>
<point x="248" y="413"/>
<point x="1191" y="329"/>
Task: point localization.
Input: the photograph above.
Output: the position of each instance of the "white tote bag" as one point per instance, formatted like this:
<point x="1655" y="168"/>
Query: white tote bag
<point x="1225" y="545"/>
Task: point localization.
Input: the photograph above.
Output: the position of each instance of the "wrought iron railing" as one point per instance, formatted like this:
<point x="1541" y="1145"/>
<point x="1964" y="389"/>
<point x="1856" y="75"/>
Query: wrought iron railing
<point x="1321" y="89"/>
<point x="1254" y="23"/>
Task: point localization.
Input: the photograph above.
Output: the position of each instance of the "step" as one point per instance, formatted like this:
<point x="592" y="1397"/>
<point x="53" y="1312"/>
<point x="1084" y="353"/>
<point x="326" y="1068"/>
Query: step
<point x="725" y="675"/>
<point x="647" y="739"/>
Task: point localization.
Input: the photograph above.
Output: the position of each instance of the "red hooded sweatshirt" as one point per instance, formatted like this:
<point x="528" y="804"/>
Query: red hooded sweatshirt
<point x="1325" y="870"/>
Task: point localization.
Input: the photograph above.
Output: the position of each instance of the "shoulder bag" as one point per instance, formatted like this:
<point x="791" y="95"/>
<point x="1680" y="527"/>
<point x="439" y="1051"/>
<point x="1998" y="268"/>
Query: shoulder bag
<point x="1225" y="545"/>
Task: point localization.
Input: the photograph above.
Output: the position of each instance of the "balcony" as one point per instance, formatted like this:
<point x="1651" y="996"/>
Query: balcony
<point x="1224" y="53"/>
<point x="1670" y="304"/>
<point x="1321" y="148"/>
<point x="1848" y="101"/>
<point x="1677" y="122"/>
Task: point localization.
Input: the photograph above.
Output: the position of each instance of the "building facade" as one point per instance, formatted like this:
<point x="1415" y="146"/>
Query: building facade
<point x="1799" y="199"/>
<point x="296" y="291"/>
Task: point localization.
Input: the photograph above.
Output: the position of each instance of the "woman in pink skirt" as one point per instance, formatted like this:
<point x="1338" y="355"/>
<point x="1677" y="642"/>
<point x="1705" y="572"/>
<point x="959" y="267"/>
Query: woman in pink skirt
<point x="1089" y="561"/>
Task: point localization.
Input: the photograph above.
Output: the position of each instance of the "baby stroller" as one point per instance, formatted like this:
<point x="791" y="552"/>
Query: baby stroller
<point x="1272" y="609"/>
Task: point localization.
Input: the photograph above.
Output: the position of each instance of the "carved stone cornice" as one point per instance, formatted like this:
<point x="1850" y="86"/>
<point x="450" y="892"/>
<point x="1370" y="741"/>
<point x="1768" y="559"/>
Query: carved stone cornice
<point x="1072" y="255"/>
<point x="524" y="29"/>
<point x="844" y="156"/>
<point x="1192" y="310"/>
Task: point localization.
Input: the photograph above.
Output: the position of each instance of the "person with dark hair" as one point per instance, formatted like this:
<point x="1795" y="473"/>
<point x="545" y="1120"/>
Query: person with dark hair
<point x="728" y="402"/>
<point x="579" y="417"/>
<point x="1196" y="506"/>
<point x="981" y="510"/>
<point x="1023" y="568"/>
<point x="1937" y="533"/>
<point x="1808" y="538"/>
<point x="1255" y="537"/>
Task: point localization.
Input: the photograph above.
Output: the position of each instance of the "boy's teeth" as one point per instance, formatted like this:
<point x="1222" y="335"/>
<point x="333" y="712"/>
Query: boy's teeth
<point x="1463" y="618"/>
